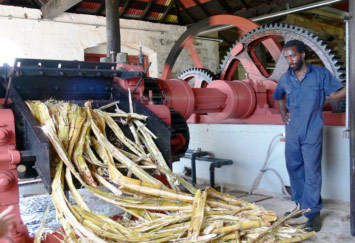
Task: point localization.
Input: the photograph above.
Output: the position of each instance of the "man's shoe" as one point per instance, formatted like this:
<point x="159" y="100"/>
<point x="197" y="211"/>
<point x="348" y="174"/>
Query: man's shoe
<point x="313" y="224"/>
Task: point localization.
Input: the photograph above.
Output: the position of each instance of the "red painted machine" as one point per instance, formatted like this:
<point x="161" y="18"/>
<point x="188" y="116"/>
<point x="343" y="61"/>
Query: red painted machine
<point x="220" y="98"/>
<point x="167" y="102"/>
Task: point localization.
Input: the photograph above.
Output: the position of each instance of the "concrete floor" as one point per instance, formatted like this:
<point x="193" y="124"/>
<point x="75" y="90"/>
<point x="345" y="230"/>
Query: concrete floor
<point x="335" y="214"/>
<point x="335" y="218"/>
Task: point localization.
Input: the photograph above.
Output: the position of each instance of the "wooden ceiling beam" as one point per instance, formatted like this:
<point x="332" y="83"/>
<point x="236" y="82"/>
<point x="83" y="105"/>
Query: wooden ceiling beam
<point x="180" y="4"/>
<point x="177" y="11"/>
<point x="244" y="4"/>
<point x="146" y="10"/>
<point x="204" y="10"/>
<point x="139" y="5"/>
<point x="54" y="8"/>
<point x="224" y="6"/>
<point x="125" y="6"/>
<point x="101" y="8"/>
<point x="172" y="2"/>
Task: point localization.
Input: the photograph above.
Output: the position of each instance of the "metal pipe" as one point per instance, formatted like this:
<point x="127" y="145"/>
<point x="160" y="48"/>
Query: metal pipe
<point x="352" y="118"/>
<point x="75" y="23"/>
<point x="112" y="28"/>
<point x="297" y="9"/>
<point x="29" y="181"/>
<point x="347" y="66"/>
<point x="217" y="164"/>
<point x="278" y="14"/>
<point x="212" y="170"/>
<point x="195" y="155"/>
<point x="141" y="78"/>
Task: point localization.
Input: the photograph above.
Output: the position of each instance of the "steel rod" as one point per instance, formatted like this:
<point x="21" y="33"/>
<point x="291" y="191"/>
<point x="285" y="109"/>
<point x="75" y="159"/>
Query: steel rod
<point x="352" y="117"/>
<point x="277" y="14"/>
<point x="112" y="28"/>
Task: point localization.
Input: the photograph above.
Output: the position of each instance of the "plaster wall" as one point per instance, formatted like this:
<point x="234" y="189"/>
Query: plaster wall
<point x="69" y="35"/>
<point x="247" y="146"/>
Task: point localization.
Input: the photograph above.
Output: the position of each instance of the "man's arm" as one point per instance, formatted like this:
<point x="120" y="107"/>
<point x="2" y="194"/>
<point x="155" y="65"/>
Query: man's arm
<point x="338" y="95"/>
<point x="284" y="113"/>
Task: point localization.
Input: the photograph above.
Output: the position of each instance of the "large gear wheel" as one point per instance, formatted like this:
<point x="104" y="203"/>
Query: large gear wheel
<point x="255" y="70"/>
<point x="186" y="40"/>
<point x="197" y="77"/>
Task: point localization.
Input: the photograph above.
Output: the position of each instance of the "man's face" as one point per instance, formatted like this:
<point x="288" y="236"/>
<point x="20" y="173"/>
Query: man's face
<point x="294" y="59"/>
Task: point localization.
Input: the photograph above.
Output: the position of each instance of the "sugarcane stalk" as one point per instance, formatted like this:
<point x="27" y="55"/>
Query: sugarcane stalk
<point x="164" y="221"/>
<point x="278" y="224"/>
<point x="118" y="132"/>
<point x="127" y="116"/>
<point x="207" y="216"/>
<point x="38" y="236"/>
<point x="76" y="195"/>
<point x="78" y="156"/>
<point x="60" y="202"/>
<point x="141" y="174"/>
<point x="298" y="238"/>
<point x="108" y="185"/>
<point x="198" y="207"/>
<point x="241" y="226"/>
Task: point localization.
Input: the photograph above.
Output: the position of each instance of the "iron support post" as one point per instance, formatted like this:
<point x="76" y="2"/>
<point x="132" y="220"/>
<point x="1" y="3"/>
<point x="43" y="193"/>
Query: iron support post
<point x="351" y="86"/>
<point x="112" y="29"/>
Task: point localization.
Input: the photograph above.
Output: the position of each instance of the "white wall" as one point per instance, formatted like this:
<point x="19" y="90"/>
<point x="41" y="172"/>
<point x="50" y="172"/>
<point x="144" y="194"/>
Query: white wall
<point x="247" y="145"/>
<point x="69" y="35"/>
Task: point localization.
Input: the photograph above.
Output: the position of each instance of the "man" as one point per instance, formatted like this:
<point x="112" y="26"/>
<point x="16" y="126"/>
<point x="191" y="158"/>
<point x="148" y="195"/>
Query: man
<point x="300" y="95"/>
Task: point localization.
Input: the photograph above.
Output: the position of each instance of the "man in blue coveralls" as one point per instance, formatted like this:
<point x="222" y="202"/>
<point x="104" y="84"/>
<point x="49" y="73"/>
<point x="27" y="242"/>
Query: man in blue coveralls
<point x="300" y="94"/>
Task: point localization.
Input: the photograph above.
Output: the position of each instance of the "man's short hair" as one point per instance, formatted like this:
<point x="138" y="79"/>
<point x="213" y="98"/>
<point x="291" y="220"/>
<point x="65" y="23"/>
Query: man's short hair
<point x="301" y="47"/>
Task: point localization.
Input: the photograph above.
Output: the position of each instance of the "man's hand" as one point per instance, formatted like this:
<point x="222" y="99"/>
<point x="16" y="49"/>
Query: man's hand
<point x="338" y="95"/>
<point x="285" y="115"/>
<point x="286" y="118"/>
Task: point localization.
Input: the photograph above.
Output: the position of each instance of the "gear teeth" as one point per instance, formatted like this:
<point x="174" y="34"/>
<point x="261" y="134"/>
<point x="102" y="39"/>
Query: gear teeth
<point x="207" y="75"/>
<point x="282" y="29"/>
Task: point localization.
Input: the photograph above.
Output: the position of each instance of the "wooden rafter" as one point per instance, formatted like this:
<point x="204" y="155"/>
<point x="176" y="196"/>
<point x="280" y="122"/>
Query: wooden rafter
<point x="101" y="8"/>
<point x="185" y="11"/>
<point x="146" y="10"/>
<point x="177" y="11"/>
<point x="125" y="6"/>
<point x="204" y="10"/>
<point x="34" y="3"/>
<point x="172" y="2"/>
<point x="244" y="4"/>
<point x="224" y="5"/>
<point x="54" y="8"/>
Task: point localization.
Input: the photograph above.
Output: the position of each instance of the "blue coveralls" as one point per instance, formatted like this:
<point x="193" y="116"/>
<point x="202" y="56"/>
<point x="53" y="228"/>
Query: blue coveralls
<point x="304" y="133"/>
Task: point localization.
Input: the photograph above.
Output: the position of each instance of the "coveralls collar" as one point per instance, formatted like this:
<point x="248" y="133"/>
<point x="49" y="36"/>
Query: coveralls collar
<point x="292" y="72"/>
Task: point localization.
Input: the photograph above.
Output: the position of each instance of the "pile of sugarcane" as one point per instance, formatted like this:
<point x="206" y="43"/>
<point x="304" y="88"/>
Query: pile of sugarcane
<point x="93" y="146"/>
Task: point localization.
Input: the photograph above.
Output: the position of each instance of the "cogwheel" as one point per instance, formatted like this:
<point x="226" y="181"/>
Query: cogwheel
<point x="197" y="77"/>
<point x="255" y="69"/>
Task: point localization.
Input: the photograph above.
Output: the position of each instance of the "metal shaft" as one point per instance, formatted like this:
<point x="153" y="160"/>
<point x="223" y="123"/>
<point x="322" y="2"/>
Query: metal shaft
<point x="278" y="14"/>
<point x="112" y="28"/>
<point x="352" y="117"/>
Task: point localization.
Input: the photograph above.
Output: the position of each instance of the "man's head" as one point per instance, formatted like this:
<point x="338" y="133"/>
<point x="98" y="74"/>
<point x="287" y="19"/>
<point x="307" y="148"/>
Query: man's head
<point x="295" y="52"/>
